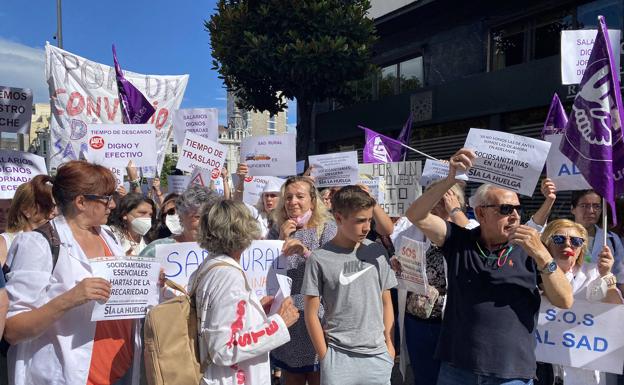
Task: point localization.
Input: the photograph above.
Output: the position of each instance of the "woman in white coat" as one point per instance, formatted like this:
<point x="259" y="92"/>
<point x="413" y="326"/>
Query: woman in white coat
<point x="49" y="327"/>
<point x="236" y="335"/>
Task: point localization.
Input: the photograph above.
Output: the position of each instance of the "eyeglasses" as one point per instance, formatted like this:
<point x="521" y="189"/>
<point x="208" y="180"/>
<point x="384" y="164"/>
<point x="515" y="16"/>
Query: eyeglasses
<point x="104" y="198"/>
<point x="506" y="209"/>
<point x="171" y="211"/>
<point x="559" y="240"/>
<point x="587" y="206"/>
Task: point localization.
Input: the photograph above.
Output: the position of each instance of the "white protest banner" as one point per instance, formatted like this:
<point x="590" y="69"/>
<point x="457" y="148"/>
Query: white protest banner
<point x="84" y="92"/>
<point x="15" y="109"/>
<point x="201" y="121"/>
<point x="177" y="183"/>
<point x="375" y="187"/>
<point x="201" y="152"/>
<point x="586" y="336"/>
<point x="18" y="167"/>
<point x="180" y="260"/>
<point x="134" y="288"/>
<point x="253" y="188"/>
<point x="401" y="186"/>
<point x="561" y="169"/>
<point x="576" y="46"/>
<point x="119" y="173"/>
<point x="337" y="169"/>
<point x="513" y="162"/>
<point x="116" y="144"/>
<point x="435" y="170"/>
<point x="413" y="276"/>
<point x="272" y="155"/>
<point x="285" y="287"/>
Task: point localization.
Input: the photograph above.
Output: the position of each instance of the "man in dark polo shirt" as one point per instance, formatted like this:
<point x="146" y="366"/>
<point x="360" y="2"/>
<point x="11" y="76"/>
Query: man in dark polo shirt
<point x="487" y="335"/>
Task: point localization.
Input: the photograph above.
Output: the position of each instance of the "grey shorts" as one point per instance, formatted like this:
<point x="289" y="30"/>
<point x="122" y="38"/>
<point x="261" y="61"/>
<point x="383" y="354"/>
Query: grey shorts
<point x="339" y="367"/>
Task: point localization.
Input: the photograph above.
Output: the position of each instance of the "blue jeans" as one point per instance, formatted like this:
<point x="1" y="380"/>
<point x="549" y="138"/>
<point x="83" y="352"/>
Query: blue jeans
<point x="450" y="375"/>
<point x="421" y="338"/>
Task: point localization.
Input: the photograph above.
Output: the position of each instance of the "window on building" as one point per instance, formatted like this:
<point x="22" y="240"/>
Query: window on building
<point x="271" y="127"/>
<point x="174" y="148"/>
<point x="411" y="74"/>
<point x="547" y="33"/>
<point x="508" y="46"/>
<point x="388" y="81"/>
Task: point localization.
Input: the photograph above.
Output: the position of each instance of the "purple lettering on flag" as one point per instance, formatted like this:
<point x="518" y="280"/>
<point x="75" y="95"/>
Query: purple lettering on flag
<point x="556" y="120"/>
<point x="380" y="148"/>
<point x="593" y="136"/>
<point x="135" y="108"/>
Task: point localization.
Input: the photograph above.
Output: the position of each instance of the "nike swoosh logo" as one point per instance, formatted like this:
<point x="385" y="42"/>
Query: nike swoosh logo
<point x="347" y="280"/>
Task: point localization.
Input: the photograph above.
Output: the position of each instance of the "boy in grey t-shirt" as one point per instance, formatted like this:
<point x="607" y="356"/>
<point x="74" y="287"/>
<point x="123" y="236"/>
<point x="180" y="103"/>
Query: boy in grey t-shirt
<point x="352" y="276"/>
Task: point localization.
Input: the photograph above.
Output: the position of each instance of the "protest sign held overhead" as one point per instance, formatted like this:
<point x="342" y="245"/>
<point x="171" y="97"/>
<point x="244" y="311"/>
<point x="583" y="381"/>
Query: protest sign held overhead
<point x="338" y="169"/>
<point x="506" y="160"/>
<point x="435" y="170"/>
<point x="561" y="170"/>
<point x="18" y="167"/>
<point x="201" y="121"/>
<point x="207" y="178"/>
<point x="576" y="48"/>
<point x="116" y="144"/>
<point x="177" y="183"/>
<point x="15" y="109"/>
<point x="200" y="152"/>
<point x="134" y="288"/>
<point x="376" y="187"/>
<point x="401" y="186"/>
<point x="271" y="155"/>
<point x="85" y="92"/>
<point x="119" y="173"/>
<point x="585" y="336"/>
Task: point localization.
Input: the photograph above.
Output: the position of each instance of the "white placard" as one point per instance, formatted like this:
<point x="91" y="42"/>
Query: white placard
<point x="561" y="170"/>
<point x="337" y="169"/>
<point x="201" y="152"/>
<point x="300" y="167"/>
<point x="148" y="171"/>
<point x="201" y="121"/>
<point x="253" y="189"/>
<point x="15" y="109"/>
<point x="207" y="178"/>
<point x="273" y="155"/>
<point x="576" y="46"/>
<point x="285" y="287"/>
<point x="119" y="173"/>
<point x="117" y="144"/>
<point x="435" y="170"/>
<point x="586" y="336"/>
<point x="401" y="186"/>
<point x="134" y="289"/>
<point x="18" y="167"/>
<point x="177" y="183"/>
<point x="375" y="186"/>
<point x="412" y="256"/>
<point x="180" y="260"/>
<point x="509" y="161"/>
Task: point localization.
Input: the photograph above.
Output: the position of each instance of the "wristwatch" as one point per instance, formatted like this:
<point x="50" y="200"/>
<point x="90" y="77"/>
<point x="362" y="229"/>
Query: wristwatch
<point x="455" y="210"/>
<point x="550" y="267"/>
<point x="610" y="279"/>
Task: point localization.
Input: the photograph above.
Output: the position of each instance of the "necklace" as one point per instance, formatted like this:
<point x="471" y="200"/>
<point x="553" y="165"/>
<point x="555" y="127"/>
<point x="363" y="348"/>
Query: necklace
<point x="504" y="253"/>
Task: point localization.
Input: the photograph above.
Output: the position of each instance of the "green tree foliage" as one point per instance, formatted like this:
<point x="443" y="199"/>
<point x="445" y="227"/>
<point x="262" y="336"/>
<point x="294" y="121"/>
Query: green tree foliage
<point x="169" y="166"/>
<point x="267" y="51"/>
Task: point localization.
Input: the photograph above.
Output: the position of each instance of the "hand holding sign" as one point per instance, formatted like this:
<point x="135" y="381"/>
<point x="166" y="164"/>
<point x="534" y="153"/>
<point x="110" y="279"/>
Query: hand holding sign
<point x="548" y="189"/>
<point x="460" y="163"/>
<point x="89" y="289"/>
<point x="288" y="312"/>
<point x="605" y="261"/>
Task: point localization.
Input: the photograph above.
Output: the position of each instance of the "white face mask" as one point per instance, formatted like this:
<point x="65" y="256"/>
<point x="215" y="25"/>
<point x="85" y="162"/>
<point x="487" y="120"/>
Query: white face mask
<point x="141" y="225"/>
<point x="173" y="224"/>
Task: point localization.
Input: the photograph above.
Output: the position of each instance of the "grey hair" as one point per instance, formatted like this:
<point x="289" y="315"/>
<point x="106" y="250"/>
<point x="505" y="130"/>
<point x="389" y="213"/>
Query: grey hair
<point x="194" y="197"/>
<point x="227" y="227"/>
<point x="480" y="196"/>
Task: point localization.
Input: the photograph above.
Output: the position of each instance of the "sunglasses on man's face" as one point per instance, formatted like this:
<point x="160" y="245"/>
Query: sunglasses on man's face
<point x="506" y="209"/>
<point x="559" y="240"/>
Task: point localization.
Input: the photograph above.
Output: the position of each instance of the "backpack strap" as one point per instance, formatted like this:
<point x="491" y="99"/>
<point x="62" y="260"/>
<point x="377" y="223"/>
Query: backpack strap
<point x="49" y="232"/>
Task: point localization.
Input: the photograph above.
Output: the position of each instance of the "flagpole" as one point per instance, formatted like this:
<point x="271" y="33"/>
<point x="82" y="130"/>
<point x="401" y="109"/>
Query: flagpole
<point x="419" y="152"/>
<point x="604" y="222"/>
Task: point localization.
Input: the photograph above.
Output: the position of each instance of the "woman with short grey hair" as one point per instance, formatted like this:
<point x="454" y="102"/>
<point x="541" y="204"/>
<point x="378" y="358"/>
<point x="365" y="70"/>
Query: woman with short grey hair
<point x="235" y="333"/>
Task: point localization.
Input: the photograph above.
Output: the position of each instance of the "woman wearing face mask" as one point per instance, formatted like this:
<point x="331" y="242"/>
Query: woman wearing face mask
<point x="131" y="220"/>
<point x="167" y="208"/>
<point x="303" y="223"/>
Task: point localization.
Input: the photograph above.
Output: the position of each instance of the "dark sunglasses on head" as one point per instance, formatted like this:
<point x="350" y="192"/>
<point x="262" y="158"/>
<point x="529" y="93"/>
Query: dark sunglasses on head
<point x="574" y="241"/>
<point x="506" y="209"/>
<point x="93" y="197"/>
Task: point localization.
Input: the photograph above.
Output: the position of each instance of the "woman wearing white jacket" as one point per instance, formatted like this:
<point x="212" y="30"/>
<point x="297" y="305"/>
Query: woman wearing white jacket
<point x="236" y="335"/>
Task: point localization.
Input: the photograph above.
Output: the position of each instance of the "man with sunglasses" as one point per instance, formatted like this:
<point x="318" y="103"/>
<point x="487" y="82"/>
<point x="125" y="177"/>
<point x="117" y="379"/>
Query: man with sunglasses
<point x="493" y="274"/>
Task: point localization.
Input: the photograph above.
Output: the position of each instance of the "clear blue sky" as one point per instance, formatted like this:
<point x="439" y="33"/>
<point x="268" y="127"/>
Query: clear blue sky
<point x="151" y="37"/>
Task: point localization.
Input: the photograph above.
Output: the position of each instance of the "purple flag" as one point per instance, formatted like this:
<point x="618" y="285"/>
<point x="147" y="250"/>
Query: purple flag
<point x="404" y="135"/>
<point x="556" y="120"/>
<point x="380" y="148"/>
<point x="593" y="135"/>
<point x="135" y="109"/>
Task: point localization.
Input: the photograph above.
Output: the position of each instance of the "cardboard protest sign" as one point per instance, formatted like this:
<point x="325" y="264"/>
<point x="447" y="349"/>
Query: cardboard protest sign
<point x="18" y="167"/>
<point x="561" y="170"/>
<point x="401" y="186"/>
<point x="272" y="155"/>
<point x="375" y="186"/>
<point x="201" y="121"/>
<point x="337" y="169"/>
<point x="15" y="109"/>
<point x="116" y="144"/>
<point x="180" y="260"/>
<point x="201" y="152"/>
<point x="85" y="92"/>
<point x="576" y="46"/>
<point x="513" y="162"/>
<point x="134" y="289"/>
<point x="177" y="183"/>
<point x="412" y="256"/>
<point x="586" y="336"/>
<point x="435" y="170"/>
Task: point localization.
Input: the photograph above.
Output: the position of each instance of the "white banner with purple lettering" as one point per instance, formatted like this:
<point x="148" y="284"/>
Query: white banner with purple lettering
<point x="435" y="170"/>
<point x="15" y="109"/>
<point x="561" y="170"/>
<point x="117" y="144"/>
<point x="510" y="161"/>
<point x="576" y="46"/>
<point x="271" y="155"/>
<point x="586" y="336"/>
<point x="201" y="121"/>
<point x="84" y="92"/>
<point x="16" y="168"/>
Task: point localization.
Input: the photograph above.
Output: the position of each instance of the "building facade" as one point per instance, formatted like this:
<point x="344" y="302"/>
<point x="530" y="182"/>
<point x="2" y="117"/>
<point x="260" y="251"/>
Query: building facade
<point x="257" y="123"/>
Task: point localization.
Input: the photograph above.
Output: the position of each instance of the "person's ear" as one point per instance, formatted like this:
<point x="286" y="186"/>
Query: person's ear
<point x="338" y="217"/>
<point x="80" y="203"/>
<point x="479" y="214"/>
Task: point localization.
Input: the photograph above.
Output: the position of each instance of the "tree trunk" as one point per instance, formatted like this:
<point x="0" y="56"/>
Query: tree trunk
<point x="305" y="136"/>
